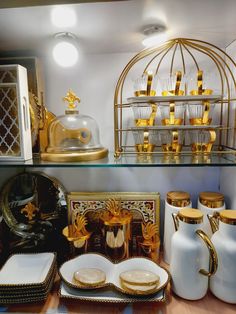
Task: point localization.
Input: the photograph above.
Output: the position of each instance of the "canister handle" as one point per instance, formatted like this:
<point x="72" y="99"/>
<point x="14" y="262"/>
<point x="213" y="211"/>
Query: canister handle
<point x="214" y="221"/>
<point x="176" y="221"/>
<point x="213" y="255"/>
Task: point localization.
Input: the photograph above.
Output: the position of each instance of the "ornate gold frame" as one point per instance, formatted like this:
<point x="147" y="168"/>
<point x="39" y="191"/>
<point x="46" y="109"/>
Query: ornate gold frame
<point x="224" y="64"/>
<point x="92" y="202"/>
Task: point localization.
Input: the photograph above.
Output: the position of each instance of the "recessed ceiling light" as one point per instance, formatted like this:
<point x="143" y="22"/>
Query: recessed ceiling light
<point x="155" y="35"/>
<point x="63" y="16"/>
<point x="65" y="52"/>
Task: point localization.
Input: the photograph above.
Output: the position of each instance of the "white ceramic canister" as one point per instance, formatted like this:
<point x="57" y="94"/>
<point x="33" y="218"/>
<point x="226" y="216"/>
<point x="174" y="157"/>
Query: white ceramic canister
<point x="208" y="203"/>
<point x="223" y="283"/>
<point x="190" y="258"/>
<point x="175" y="200"/>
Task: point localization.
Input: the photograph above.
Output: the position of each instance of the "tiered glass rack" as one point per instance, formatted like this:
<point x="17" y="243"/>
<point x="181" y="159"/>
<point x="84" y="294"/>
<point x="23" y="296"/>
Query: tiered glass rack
<point x="225" y="150"/>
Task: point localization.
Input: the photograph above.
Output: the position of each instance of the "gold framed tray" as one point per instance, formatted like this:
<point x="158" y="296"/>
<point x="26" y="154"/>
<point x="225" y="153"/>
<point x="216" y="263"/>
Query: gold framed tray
<point x="107" y="295"/>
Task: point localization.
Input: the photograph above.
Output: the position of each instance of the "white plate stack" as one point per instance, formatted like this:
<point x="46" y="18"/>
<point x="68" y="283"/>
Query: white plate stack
<point x="27" y="278"/>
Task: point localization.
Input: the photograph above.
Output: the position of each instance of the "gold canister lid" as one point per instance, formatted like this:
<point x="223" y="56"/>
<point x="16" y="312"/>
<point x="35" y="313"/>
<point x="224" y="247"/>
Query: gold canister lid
<point x="178" y="198"/>
<point x="228" y="216"/>
<point x="114" y="215"/>
<point x="211" y="199"/>
<point x="190" y="215"/>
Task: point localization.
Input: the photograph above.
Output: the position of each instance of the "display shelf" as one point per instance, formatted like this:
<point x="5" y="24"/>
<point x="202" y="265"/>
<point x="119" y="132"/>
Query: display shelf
<point x="168" y="99"/>
<point x="224" y="159"/>
<point x="175" y="127"/>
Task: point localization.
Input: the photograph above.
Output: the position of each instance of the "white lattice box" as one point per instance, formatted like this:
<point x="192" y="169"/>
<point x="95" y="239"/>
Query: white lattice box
<point x="15" y="133"/>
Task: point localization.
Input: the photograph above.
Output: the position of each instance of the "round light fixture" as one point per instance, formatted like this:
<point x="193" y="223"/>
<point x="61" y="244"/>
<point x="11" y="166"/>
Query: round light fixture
<point x="155" y="35"/>
<point x="63" y="16"/>
<point x="65" y="52"/>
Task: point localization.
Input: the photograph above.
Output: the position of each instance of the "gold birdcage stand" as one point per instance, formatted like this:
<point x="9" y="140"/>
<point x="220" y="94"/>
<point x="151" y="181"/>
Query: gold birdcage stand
<point x="184" y="48"/>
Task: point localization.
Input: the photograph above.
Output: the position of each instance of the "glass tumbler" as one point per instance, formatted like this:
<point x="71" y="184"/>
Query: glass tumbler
<point x="144" y="114"/>
<point x="171" y="141"/>
<point x="145" y="140"/>
<point x="202" y="141"/>
<point x="201" y="83"/>
<point x="172" y="114"/>
<point x="200" y="114"/>
<point x="146" y="85"/>
<point x="173" y="84"/>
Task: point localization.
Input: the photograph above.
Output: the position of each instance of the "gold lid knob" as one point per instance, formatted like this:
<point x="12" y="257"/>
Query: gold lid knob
<point x="178" y="198"/>
<point x="71" y="98"/>
<point x="190" y="215"/>
<point x="228" y="216"/>
<point x="211" y="199"/>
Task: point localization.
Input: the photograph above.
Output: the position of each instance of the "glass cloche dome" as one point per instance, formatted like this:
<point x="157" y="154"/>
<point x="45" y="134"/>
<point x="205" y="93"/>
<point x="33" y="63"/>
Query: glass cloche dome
<point x="73" y="137"/>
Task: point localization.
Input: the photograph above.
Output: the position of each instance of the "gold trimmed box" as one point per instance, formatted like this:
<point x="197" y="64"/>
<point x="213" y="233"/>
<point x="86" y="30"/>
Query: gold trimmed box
<point x="145" y="209"/>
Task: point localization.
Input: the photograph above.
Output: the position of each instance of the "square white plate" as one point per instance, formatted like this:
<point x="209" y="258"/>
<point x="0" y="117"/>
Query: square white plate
<point x="27" y="269"/>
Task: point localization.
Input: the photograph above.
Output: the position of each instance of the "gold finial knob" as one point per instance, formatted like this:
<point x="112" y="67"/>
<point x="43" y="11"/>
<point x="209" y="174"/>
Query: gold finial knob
<point x="71" y="98"/>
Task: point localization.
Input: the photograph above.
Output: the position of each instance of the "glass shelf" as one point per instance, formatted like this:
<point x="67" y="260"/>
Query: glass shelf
<point x="133" y="160"/>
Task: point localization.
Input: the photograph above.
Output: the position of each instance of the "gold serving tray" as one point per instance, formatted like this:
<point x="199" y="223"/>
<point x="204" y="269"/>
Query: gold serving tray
<point x="112" y="271"/>
<point x="108" y="295"/>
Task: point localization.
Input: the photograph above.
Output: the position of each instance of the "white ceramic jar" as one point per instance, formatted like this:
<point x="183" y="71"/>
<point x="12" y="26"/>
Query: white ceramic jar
<point x="175" y="200"/>
<point x="223" y="283"/>
<point x="190" y="257"/>
<point x="209" y="203"/>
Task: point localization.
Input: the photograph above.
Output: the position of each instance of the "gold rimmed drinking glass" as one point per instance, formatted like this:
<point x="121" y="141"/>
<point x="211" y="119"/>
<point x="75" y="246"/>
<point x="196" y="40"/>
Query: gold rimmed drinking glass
<point x="201" y="83"/>
<point x="171" y="141"/>
<point x="172" y="116"/>
<point x="201" y="113"/>
<point x="146" y="85"/>
<point x="145" y="140"/>
<point x="173" y="84"/>
<point x="201" y="141"/>
<point x="144" y="114"/>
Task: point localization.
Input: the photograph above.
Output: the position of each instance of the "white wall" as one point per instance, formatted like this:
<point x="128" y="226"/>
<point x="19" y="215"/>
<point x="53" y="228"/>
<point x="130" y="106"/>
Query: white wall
<point x="228" y="186"/>
<point x="228" y="175"/>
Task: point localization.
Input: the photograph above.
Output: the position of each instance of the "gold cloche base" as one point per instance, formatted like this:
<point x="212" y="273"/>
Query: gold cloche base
<point x="75" y="156"/>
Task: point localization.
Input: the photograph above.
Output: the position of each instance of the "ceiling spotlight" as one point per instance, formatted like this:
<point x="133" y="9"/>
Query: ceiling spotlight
<point x="155" y="35"/>
<point x="65" y="52"/>
<point x="63" y="16"/>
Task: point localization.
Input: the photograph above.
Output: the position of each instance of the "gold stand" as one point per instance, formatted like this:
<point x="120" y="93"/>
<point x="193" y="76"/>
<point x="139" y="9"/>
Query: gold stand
<point x="75" y="156"/>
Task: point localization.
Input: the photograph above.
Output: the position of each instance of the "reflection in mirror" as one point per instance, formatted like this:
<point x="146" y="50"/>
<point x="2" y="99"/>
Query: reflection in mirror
<point x="34" y="212"/>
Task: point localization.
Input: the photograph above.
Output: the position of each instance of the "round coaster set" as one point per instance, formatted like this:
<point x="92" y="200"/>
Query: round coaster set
<point x="139" y="281"/>
<point x="135" y="281"/>
<point x="90" y="277"/>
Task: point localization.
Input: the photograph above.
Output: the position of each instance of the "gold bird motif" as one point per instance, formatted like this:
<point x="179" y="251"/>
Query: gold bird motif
<point x="114" y="207"/>
<point x="149" y="231"/>
<point x="79" y="225"/>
